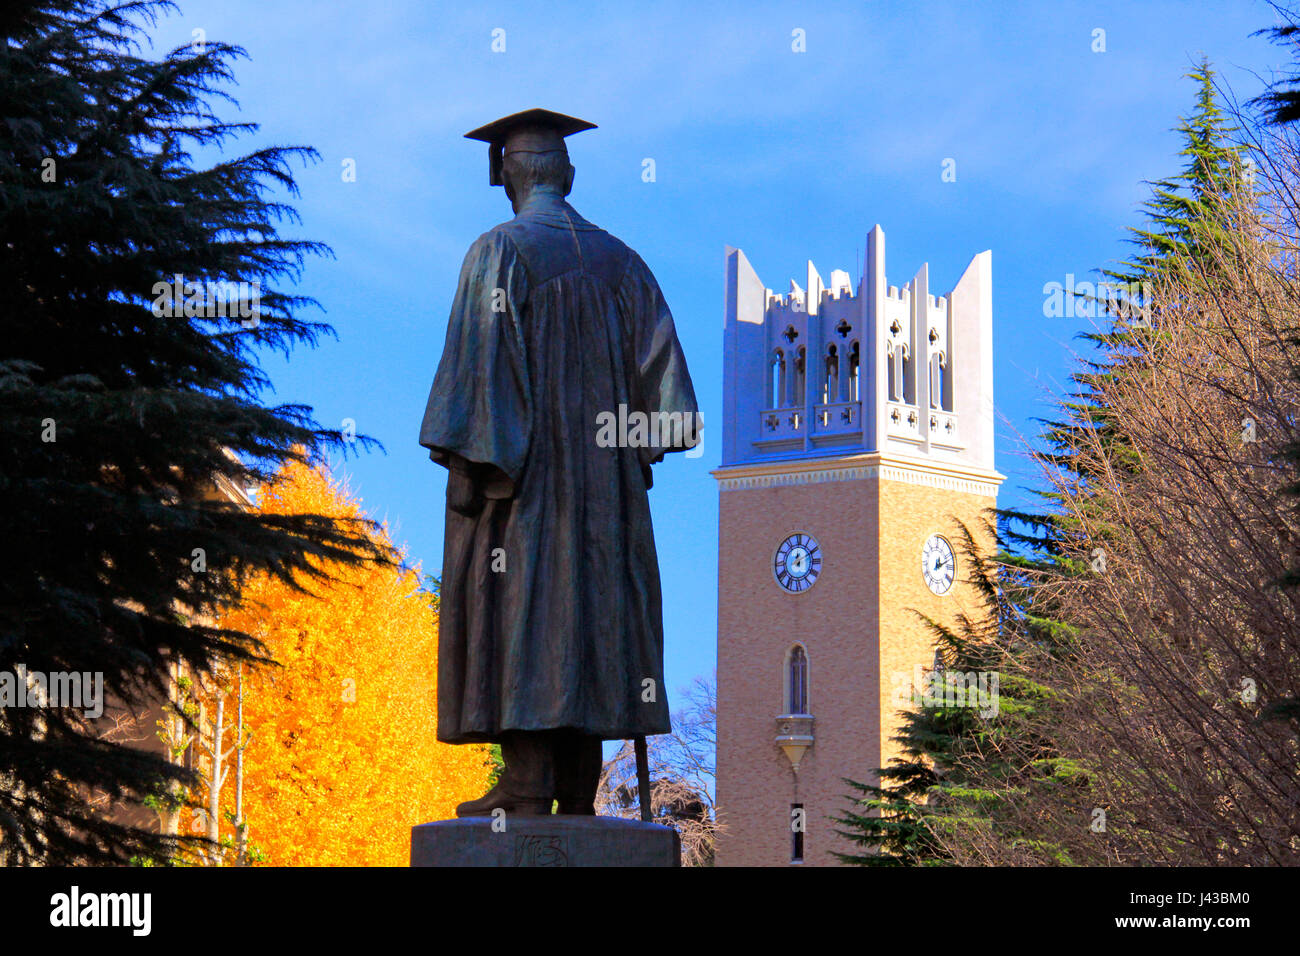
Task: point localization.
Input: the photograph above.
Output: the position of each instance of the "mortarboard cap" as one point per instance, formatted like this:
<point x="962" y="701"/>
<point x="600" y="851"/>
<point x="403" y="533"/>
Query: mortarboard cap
<point x="532" y="131"/>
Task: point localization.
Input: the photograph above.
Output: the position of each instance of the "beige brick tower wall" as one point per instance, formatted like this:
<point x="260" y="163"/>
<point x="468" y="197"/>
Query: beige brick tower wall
<point x="859" y="633"/>
<point x="758" y="623"/>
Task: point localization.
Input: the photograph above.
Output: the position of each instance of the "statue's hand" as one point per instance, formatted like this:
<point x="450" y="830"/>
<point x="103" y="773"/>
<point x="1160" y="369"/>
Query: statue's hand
<point x="463" y="495"/>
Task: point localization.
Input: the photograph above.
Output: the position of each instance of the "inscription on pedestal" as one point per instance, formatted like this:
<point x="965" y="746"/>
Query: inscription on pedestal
<point x="541" y="851"/>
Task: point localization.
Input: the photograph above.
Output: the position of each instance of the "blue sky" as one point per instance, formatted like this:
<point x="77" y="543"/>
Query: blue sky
<point x="789" y="156"/>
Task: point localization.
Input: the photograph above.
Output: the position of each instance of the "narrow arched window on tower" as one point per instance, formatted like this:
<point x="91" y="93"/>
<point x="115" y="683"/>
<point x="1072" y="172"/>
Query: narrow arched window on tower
<point x="778" y="379"/>
<point x="907" y="384"/>
<point x="900" y="365"/>
<point x="800" y="364"/>
<point x="938" y="380"/>
<point x="796" y="682"/>
<point x="855" y="362"/>
<point x="831" y="381"/>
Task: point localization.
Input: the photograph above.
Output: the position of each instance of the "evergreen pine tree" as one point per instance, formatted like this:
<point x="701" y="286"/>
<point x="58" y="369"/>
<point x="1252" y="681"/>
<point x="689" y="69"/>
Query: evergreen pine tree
<point x="123" y="400"/>
<point x="1185" y="214"/>
<point x="1280" y="103"/>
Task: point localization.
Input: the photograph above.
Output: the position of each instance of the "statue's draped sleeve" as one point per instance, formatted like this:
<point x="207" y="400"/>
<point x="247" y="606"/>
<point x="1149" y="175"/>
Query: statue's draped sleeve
<point x="662" y="382"/>
<point x="479" y="417"/>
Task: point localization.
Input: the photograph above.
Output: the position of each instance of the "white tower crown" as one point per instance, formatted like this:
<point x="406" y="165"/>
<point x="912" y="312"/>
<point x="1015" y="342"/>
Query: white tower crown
<point x="824" y="370"/>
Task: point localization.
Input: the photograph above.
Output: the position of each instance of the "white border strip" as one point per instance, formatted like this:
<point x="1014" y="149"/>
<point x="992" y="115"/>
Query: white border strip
<point x="911" y="476"/>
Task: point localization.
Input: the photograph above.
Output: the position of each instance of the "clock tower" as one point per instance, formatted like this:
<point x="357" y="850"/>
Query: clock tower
<point x="858" y="432"/>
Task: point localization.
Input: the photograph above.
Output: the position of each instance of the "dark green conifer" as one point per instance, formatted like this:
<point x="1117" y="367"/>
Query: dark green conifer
<point x="122" y="409"/>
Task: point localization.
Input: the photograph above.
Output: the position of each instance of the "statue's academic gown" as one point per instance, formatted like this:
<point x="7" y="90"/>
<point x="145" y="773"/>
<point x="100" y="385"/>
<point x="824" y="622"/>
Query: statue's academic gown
<point x="555" y="321"/>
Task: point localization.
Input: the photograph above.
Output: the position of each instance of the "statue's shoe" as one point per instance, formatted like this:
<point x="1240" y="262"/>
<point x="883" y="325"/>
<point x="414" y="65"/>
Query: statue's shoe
<point x="576" y="808"/>
<point x="500" y="799"/>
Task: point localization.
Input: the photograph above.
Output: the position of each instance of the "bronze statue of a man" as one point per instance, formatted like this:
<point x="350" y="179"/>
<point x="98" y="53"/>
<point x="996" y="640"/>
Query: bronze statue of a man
<point x="551" y="633"/>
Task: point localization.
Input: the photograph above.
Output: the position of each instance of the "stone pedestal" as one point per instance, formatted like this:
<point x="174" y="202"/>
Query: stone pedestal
<point x="544" y="841"/>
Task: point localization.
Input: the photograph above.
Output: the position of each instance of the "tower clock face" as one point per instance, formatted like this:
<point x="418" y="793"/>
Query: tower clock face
<point x="797" y="563"/>
<point x="938" y="564"/>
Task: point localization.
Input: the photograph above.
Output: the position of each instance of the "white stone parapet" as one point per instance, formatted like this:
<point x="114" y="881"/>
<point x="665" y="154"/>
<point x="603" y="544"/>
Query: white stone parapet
<point x="826" y="366"/>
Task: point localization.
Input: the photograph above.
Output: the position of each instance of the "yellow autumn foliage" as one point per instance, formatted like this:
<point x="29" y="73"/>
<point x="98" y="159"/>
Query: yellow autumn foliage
<point x="343" y="759"/>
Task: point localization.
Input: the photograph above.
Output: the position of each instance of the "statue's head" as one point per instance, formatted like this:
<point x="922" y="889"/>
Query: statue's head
<point x="526" y="152"/>
<point x="535" y="158"/>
